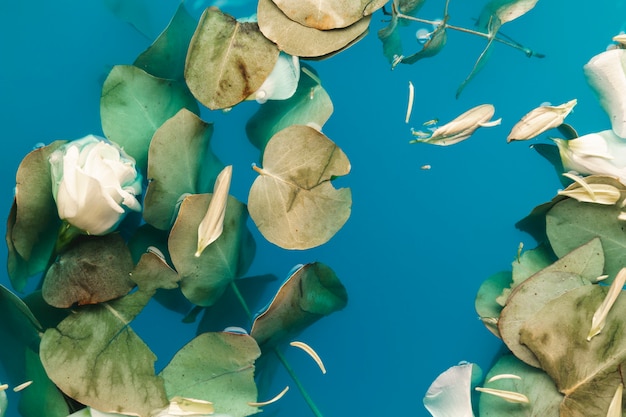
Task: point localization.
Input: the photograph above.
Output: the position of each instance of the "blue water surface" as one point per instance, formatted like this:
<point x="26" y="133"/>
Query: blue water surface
<point x="419" y="242"/>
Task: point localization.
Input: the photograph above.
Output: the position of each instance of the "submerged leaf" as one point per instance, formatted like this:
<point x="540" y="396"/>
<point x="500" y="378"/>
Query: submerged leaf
<point x="227" y="60"/>
<point x="134" y="104"/>
<point x="94" y="270"/>
<point x="33" y="221"/>
<point x="303" y="41"/>
<point x="328" y="14"/>
<point x="165" y="58"/>
<point x="292" y="201"/>
<point x="310" y="293"/>
<point x="432" y="47"/>
<point x="310" y="105"/>
<point x="224" y="377"/>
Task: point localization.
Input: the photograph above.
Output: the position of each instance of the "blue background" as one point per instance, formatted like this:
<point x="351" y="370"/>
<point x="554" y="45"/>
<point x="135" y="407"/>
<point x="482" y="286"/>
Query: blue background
<point x="418" y="244"/>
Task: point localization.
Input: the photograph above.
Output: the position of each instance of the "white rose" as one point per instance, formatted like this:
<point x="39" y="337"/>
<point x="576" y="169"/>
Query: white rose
<point x="94" y="184"/>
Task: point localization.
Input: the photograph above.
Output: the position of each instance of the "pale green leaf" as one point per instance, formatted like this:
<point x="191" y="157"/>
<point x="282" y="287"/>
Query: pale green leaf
<point x="134" y="104"/>
<point x="227" y="60"/>
<point x="204" y="278"/>
<point x="536" y="385"/>
<point x="180" y="162"/>
<point x="310" y="293"/>
<point x="42" y="397"/>
<point x="225" y="376"/>
<point x="292" y="201"/>
<point x="486" y="304"/>
<point x="165" y="58"/>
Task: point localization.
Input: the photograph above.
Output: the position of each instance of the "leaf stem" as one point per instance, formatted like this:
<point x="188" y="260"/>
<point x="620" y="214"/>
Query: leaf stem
<point x="512" y="44"/>
<point x="281" y="357"/>
<point x="296" y="380"/>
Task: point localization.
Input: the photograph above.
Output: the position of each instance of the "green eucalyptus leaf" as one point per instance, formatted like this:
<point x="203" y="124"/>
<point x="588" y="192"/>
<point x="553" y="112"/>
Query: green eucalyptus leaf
<point x="293" y="202"/>
<point x="328" y="14"/>
<point x="134" y="104"/>
<point x="93" y="270"/>
<point x="486" y="304"/>
<point x="504" y="11"/>
<point x="216" y="367"/>
<point x="530" y="262"/>
<point x="4" y="403"/>
<point x="310" y="293"/>
<point x="570" y="224"/>
<point x="165" y="58"/>
<point x="409" y="7"/>
<point x="303" y="41"/>
<point x="528" y="298"/>
<point x="227" y="60"/>
<point x="478" y="65"/>
<point x="180" y="162"/>
<point x="585" y="371"/>
<point x="46" y="314"/>
<point x="310" y="104"/>
<point x="42" y="397"/>
<point x="33" y="222"/>
<point x="204" y="278"/>
<point x="391" y="39"/>
<point x="543" y="396"/>
<point x="96" y="358"/>
<point x="19" y="332"/>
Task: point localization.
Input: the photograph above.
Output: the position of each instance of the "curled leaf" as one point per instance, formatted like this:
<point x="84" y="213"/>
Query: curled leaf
<point x="540" y="120"/>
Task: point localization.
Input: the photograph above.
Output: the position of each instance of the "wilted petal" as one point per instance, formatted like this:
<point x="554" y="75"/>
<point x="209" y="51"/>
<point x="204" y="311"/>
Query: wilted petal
<point x="590" y="193"/>
<point x="615" y="407"/>
<point x="599" y="317"/>
<point x="621" y="39"/>
<point x="462" y="127"/>
<point x="606" y="74"/>
<point x="539" y="120"/>
<point x="212" y="224"/>
<point x="282" y="81"/>
<point x="450" y="394"/>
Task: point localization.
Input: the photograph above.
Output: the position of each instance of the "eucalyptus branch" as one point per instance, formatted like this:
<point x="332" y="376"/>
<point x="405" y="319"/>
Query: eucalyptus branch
<point x="489" y="36"/>
<point x="280" y="356"/>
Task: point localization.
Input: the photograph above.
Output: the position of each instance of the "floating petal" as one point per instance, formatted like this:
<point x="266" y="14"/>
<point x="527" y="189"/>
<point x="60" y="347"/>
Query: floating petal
<point x="599" y="317"/>
<point x="282" y="82"/>
<point x="615" y="407"/>
<point x="450" y="393"/>
<point x="312" y="353"/>
<point x="212" y="224"/>
<point x="510" y="396"/>
<point x="273" y="400"/>
<point x="540" y="120"/>
<point x="590" y="193"/>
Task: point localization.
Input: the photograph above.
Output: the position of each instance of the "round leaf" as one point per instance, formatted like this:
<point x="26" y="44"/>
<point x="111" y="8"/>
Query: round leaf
<point x="96" y="358"/>
<point x="134" y="104"/>
<point x="227" y="60"/>
<point x="33" y="221"/>
<point x="293" y="202"/>
<point x="94" y="270"/>
<point x="486" y="304"/>
<point x="179" y="162"/>
<point x="310" y="293"/>
<point x="328" y="14"/>
<point x="310" y="104"/>
<point x="570" y="223"/>
<point x="204" y="278"/>
<point x="534" y="383"/>
<point x="225" y="376"/>
<point x="299" y="40"/>
<point x="165" y="58"/>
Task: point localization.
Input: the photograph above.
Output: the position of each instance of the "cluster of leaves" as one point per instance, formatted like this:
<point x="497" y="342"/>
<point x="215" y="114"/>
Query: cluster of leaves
<point x="493" y="15"/>
<point x="544" y="308"/>
<point x="73" y="336"/>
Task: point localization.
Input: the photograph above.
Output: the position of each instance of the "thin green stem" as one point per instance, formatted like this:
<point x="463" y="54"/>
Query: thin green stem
<point x="296" y="380"/>
<point x="506" y="42"/>
<point x="281" y="357"/>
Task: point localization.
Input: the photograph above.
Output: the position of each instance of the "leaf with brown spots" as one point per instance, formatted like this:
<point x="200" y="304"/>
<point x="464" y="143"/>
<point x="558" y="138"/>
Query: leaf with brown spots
<point x="227" y="60"/>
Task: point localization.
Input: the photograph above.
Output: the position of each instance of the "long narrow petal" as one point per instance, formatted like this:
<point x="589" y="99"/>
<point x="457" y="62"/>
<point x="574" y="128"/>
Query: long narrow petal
<point x="599" y="317"/>
<point x="212" y="224"/>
